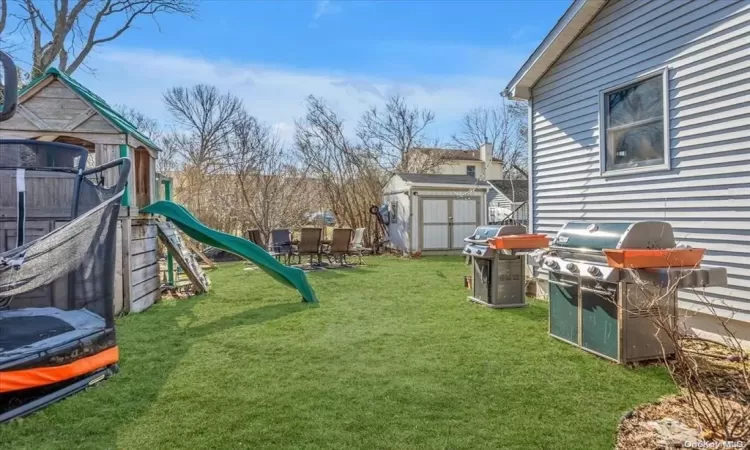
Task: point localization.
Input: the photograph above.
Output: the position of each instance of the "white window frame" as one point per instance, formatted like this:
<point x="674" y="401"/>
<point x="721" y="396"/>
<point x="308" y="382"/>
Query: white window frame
<point x="667" y="165"/>
<point x="472" y="166"/>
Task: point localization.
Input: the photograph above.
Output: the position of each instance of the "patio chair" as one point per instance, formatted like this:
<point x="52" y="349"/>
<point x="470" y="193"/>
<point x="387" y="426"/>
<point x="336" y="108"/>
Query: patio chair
<point x="281" y="244"/>
<point x="358" y="245"/>
<point x="255" y="237"/>
<point x="309" y="244"/>
<point x="340" y="244"/>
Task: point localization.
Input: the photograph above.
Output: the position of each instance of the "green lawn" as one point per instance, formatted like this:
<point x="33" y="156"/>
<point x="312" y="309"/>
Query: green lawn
<point x="393" y="357"/>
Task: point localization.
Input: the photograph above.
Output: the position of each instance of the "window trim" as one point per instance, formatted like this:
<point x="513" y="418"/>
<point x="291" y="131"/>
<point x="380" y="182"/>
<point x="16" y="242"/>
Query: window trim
<point x="667" y="164"/>
<point x="473" y="166"/>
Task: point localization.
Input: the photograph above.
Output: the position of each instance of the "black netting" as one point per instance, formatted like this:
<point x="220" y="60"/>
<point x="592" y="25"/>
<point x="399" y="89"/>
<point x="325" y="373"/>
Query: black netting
<point x="58" y="286"/>
<point x="36" y="154"/>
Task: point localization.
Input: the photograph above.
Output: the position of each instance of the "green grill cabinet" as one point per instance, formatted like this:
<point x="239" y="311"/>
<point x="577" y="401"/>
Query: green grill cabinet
<point x="610" y="311"/>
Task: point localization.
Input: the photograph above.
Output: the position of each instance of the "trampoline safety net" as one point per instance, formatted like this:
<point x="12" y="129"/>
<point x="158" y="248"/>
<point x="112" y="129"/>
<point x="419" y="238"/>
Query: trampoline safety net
<point x="58" y="223"/>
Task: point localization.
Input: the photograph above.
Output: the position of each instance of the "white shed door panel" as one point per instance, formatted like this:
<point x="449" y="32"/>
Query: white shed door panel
<point x="435" y="211"/>
<point x="435" y="237"/>
<point x="465" y="211"/>
<point x="464" y="221"/>
<point x="435" y="220"/>
<point x="461" y="232"/>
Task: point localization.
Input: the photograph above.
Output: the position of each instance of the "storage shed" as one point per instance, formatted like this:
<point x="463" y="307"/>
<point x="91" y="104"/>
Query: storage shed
<point x="432" y="214"/>
<point x="56" y="108"/>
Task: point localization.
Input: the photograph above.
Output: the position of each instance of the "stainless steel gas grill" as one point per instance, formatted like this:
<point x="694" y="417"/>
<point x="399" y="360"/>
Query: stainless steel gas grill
<point x="498" y="267"/>
<point x="608" y="281"/>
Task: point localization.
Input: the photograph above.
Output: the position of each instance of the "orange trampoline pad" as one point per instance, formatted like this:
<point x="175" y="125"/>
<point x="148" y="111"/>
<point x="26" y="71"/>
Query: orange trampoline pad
<point x="43" y="376"/>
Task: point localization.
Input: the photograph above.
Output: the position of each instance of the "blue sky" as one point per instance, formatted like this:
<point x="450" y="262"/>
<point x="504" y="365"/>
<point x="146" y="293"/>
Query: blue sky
<point x="448" y="56"/>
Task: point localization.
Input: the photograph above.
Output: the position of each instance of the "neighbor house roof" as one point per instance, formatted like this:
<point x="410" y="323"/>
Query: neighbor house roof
<point x="430" y="179"/>
<point x="570" y="25"/>
<point x="451" y="154"/>
<point x="96" y="102"/>
<point x="514" y="190"/>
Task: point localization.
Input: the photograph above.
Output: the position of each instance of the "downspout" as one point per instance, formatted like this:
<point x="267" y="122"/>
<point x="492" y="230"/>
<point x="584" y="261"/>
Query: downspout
<point x="530" y="177"/>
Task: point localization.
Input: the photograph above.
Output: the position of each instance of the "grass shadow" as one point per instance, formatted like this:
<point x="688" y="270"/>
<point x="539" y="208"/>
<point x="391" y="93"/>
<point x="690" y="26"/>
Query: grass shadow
<point x="151" y="349"/>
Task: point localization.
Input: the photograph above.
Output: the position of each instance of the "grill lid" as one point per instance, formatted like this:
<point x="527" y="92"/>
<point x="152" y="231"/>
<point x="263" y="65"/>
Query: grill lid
<point x="485" y="232"/>
<point x="596" y="236"/>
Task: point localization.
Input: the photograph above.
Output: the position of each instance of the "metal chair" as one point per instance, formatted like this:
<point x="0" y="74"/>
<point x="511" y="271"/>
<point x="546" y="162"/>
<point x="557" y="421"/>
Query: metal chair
<point x="309" y="244"/>
<point x="281" y="244"/>
<point x="358" y="245"/>
<point x="340" y="245"/>
<point x="255" y="237"/>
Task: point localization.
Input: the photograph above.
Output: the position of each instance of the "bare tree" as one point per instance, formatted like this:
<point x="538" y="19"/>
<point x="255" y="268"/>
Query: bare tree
<point x="148" y="126"/>
<point x="204" y="120"/>
<point x="503" y="126"/>
<point x="3" y="15"/>
<point x="169" y="160"/>
<point x="67" y="31"/>
<point x="392" y="133"/>
<point x="207" y="118"/>
<point x="348" y="174"/>
<point x="272" y="191"/>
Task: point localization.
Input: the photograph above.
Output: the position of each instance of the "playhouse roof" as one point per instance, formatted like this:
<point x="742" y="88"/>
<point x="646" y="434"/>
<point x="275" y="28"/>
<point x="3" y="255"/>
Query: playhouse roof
<point x="96" y="102"/>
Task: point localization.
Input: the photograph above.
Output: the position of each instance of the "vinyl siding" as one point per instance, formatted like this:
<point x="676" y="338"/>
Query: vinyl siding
<point x="706" y="194"/>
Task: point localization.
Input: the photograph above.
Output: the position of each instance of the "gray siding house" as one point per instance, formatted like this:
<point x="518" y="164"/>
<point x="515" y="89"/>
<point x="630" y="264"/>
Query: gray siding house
<point x="678" y="74"/>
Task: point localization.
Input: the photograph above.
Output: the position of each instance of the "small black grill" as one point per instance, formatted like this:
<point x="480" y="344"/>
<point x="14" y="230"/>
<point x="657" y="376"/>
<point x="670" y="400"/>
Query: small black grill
<point x="498" y="275"/>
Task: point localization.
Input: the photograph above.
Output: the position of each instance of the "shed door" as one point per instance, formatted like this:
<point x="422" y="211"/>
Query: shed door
<point x="435" y="224"/>
<point x="447" y="221"/>
<point x="465" y="220"/>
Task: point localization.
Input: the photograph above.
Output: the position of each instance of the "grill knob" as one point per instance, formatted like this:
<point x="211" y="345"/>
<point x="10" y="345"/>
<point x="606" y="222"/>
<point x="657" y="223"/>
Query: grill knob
<point x="572" y="267"/>
<point x="478" y="252"/>
<point x="593" y="270"/>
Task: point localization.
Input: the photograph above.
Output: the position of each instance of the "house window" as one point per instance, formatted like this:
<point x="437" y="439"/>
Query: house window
<point x="394" y="212"/>
<point x="471" y="171"/>
<point x="634" y="120"/>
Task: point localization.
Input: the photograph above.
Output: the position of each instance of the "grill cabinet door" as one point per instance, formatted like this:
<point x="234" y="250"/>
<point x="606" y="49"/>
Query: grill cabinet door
<point x="510" y="286"/>
<point x="563" y="307"/>
<point x="599" y="322"/>
<point x="481" y="280"/>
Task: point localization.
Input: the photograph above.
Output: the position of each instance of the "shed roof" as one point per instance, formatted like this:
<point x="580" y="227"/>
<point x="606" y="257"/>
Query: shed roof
<point x="570" y="25"/>
<point x="514" y="190"/>
<point x="96" y="102"/>
<point x="437" y="179"/>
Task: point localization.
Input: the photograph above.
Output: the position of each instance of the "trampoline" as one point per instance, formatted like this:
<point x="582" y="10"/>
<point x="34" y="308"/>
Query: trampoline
<point x="57" y="256"/>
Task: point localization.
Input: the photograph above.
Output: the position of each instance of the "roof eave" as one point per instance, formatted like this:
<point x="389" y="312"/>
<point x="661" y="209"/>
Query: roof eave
<point x="450" y="185"/>
<point x="570" y="25"/>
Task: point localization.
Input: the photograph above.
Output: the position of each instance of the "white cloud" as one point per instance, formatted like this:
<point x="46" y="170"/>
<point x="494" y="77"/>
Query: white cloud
<point x="323" y="8"/>
<point x="276" y="95"/>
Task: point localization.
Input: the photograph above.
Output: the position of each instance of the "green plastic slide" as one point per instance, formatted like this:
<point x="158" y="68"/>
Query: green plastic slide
<point x="181" y="217"/>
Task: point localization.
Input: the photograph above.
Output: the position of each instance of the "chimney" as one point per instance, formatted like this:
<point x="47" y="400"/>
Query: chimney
<point x="485" y="154"/>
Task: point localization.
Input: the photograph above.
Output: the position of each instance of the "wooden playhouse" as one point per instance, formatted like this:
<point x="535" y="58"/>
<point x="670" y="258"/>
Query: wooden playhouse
<point x="55" y="107"/>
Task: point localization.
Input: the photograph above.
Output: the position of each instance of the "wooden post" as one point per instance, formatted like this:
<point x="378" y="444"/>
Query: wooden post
<point x="170" y="259"/>
<point x="127" y="272"/>
<point x="126" y="194"/>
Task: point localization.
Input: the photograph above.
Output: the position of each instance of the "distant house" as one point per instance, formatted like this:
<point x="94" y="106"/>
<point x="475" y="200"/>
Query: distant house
<point x="508" y="201"/>
<point x="479" y="164"/>
<point x="641" y="111"/>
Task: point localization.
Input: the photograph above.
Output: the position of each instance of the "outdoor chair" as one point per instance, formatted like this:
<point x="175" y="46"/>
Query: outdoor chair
<point x="309" y="244"/>
<point x="255" y="237"/>
<point x="281" y="244"/>
<point x="358" y="245"/>
<point x="340" y="244"/>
